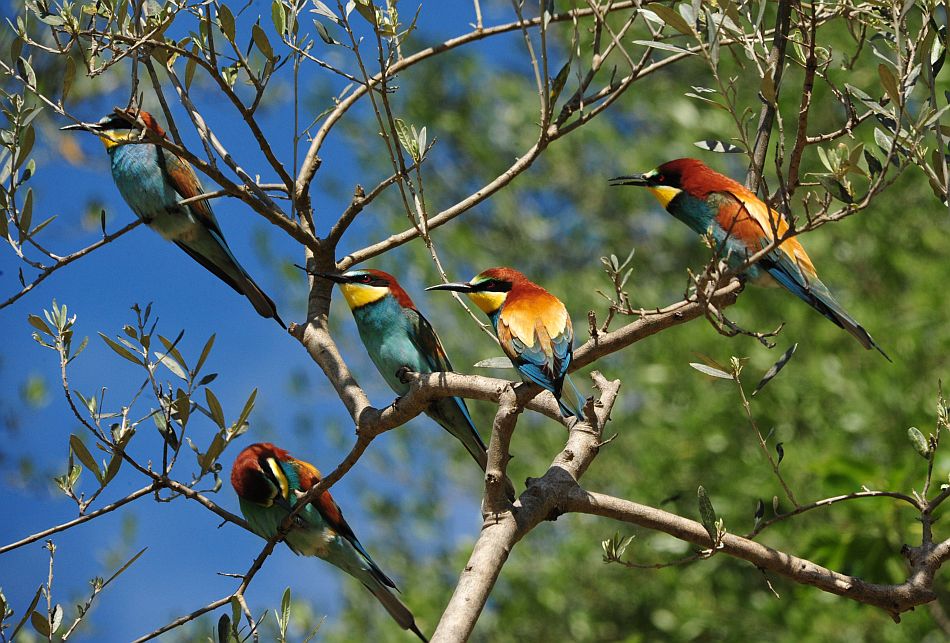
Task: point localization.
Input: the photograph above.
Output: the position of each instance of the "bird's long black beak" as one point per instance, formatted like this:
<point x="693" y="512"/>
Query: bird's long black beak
<point x="633" y="179"/>
<point x="452" y="286"/>
<point x="340" y="279"/>
<point x="89" y="127"/>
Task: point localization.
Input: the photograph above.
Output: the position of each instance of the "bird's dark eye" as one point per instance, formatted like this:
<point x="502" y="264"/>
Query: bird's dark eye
<point x="497" y="286"/>
<point x="659" y="178"/>
<point x="366" y="279"/>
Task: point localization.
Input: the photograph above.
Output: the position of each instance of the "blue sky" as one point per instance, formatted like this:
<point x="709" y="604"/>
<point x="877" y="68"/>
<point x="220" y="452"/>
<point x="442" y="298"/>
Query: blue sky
<point x="185" y="546"/>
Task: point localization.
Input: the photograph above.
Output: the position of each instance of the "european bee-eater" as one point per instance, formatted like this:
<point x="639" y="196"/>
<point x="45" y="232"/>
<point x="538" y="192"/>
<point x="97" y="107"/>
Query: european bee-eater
<point x="741" y="224"/>
<point x="396" y="336"/>
<point x="269" y="481"/>
<point x="531" y="324"/>
<point x="153" y="181"/>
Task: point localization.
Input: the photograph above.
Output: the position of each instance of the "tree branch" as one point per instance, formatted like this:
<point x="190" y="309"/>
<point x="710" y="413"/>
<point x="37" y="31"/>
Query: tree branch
<point x="894" y="599"/>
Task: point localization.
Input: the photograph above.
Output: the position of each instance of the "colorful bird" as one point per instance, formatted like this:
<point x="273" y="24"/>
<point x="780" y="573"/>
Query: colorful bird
<point x="153" y="181"/>
<point x="742" y="225"/>
<point x="269" y="481"/>
<point x="397" y="336"/>
<point x="532" y="326"/>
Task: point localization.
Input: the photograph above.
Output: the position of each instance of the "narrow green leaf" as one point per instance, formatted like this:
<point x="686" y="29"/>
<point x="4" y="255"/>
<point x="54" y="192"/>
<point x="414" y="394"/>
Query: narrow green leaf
<point x="285" y="610"/>
<point x="69" y="75"/>
<point x="671" y="18"/>
<point x="214" y="450"/>
<point x="366" y="9"/>
<point x="559" y="81"/>
<point x="214" y="406"/>
<point x="125" y="566"/>
<point x="323" y="33"/>
<point x="224" y="627"/>
<point x="246" y="411"/>
<point x="776" y="367"/>
<point x="835" y="188"/>
<point x="26" y="146"/>
<point x="323" y="10"/>
<point x="121" y="350"/>
<point x="190" y="67"/>
<point x="767" y="88"/>
<point x="406" y="139"/>
<point x="166" y="360"/>
<point x="706" y="100"/>
<point x="26" y="71"/>
<point x="919" y="441"/>
<point x="57" y="618"/>
<point x="115" y="463"/>
<point x="76" y="444"/>
<point x="204" y="355"/>
<point x="235" y="610"/>
<point x="41" y="225"/>
<point x="706" y="513"/>
<point x="889" y="83"/>
<point x="27" y="613"/>
<point x="16" y="48"/>
<point x="263" y="44"/>
<point x="37" y="322"/>
<point x="182" y="407"/>
<point x="278" y="16"/>
<point x="165" y="431"/>
<point x="40" y="624"/>
<point x="207" y="379"/>
<point x="709" y="370"/>
<point x="655" y="44"/>
<point x="26" y="214"/>
<point x="874" y="166"/>
<point x="171" y="347"/>
<point x="226" y="22"/>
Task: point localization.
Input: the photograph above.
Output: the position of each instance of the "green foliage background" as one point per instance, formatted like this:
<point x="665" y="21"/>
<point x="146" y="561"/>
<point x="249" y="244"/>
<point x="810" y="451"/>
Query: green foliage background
<point x="840" y="412"/>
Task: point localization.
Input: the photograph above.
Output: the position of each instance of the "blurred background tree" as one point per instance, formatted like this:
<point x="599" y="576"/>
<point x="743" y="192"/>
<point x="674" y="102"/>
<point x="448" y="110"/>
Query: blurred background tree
<point x="840" y="414"/>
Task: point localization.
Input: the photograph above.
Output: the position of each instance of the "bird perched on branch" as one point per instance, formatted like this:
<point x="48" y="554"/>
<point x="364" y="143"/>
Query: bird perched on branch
<point x="154" y="181"/>
<point x="397" y="336"/>
<point x="269" y="482"/>
<point x="532" y="326"/>
<point x="742" y="225"/>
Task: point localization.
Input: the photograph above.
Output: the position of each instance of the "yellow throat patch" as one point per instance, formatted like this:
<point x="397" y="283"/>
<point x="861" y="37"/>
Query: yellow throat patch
<point x="111" y="138"/>
<point x="664" y="193"/>
<point x="358" y="295"/>
<point x="281" y="478"/>
<point x="488" y="302"/>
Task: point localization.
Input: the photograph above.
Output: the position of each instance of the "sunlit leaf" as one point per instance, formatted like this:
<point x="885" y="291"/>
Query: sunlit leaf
<point x="671" y="18"/>
<point x="121" y="350"/>
<point x="214" y="407"/>
<point x="76" y="444"/>
<point x="709" y="370"/>
<point x="919" y="441"/>
<point x="263" y="44"/>
<point x="226" y="21"/>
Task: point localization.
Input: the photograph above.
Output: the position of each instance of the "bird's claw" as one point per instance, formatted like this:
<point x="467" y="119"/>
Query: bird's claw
<point x="405" y="375"/>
